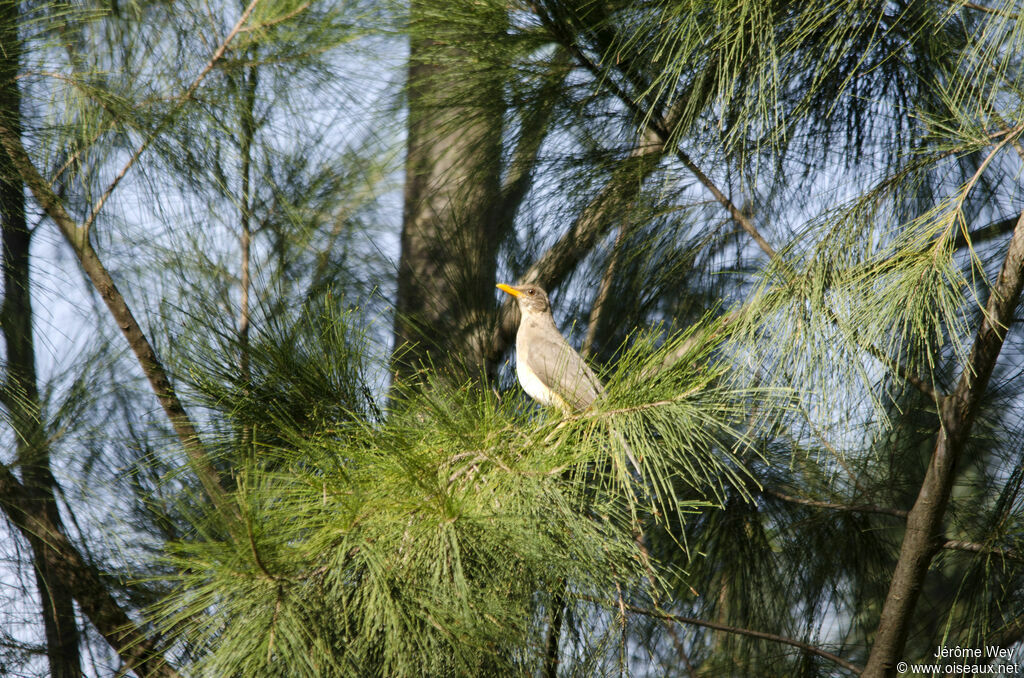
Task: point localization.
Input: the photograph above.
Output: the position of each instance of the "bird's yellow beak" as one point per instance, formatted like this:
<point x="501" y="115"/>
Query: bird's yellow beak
<point x="508" y="288"/>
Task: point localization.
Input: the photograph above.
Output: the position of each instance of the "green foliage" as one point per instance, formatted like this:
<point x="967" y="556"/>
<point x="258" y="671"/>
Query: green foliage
<point x="306" y="370"/>
<point x="433" y="542"/>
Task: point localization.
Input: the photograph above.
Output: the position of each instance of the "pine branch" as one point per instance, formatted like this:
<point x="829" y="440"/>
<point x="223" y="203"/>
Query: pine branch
<point x="247" y="129"/>
<point x="717" y="626"/>
<point x="744" y="221"/>
<point x="663" y="128"/>
<point x="974" y="547"/>
<point x="948" y="544"/>
<point x="535" y="126"/>
<point x="957" y="412"/>
<point x="981" y="8"/>
<point x="1009" y="633"/>
<point x="603" y="292"/>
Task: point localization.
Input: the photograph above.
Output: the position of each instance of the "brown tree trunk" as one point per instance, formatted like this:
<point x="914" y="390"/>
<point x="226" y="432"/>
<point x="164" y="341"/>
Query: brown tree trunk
<point x="21" y="398"/>
<point x="450" y="226"/>
<point x="20" y="387"/>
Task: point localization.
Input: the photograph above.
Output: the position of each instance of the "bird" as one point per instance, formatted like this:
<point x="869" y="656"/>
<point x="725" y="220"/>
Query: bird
<point x="549" y="369"/>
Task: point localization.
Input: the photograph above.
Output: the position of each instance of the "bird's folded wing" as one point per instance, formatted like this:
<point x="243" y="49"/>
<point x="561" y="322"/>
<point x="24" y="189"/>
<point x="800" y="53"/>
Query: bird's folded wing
<point x="563" y="371"/>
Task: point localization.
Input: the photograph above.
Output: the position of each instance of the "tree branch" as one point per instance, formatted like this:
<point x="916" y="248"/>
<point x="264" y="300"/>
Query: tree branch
<point x="947" y="544"/>
<point x="974" y="547"/>
<point x="747" y="225"/>
<point x="603" y="291"/>
<point x="744" y="221"/>
<point x="138" y="652"/>
<point x="957" y="412"/>
<point x="534" y="128"/>
<point x="1009" y="633"/>
<point x="717" y="626"/>
<point x="857" y="508"/>
<point x="991" y="231"/>
<point x="662" y="127"/>
<point x="981" y="8"/>
<point x="77" y="236"/>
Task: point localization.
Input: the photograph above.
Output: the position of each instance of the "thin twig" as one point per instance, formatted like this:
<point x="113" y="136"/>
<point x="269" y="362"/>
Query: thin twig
<point x="1010" y="137"/>
<point x="974" y="547"/>
<point x="185" y="96"/>
<point x="857" y="508"/>
<point x="681" y="619"/>
<point x="982" y="8"/>
<point x="839" y="457"/>
<point x="603" y="291"/>
<point x="900" y="370"/>
<point x="277" y="20"/>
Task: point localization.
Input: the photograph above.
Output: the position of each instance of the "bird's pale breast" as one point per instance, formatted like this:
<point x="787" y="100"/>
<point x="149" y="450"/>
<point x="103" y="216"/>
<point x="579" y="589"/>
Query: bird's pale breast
<point x="532" y="384"/>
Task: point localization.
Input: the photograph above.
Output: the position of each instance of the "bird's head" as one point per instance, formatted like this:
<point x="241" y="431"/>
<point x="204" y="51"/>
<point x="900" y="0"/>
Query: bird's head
<point x="531" y="299"/>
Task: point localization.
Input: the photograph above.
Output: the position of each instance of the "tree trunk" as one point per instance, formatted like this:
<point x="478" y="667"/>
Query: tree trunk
<point x="957" y="412"/>
<point x="138" y="652"/>
<point x="21" y="397"/>
<point x="20" y="388"/>
<point x="450" y="226"/>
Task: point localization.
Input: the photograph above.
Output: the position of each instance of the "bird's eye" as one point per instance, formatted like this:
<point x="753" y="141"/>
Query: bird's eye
<point x="531" y="291"/>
